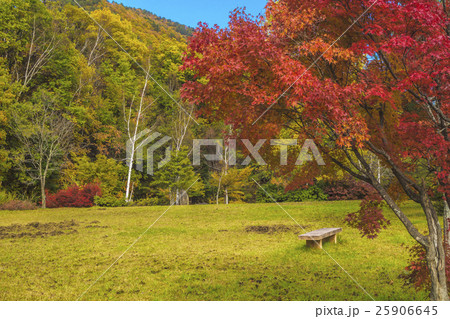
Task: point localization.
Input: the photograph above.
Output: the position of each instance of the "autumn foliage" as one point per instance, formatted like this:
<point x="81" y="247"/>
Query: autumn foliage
<point x="74" y="196"/>
<point x="377" y="85"/>
<point x="369" y="219"/>
<point x="417" y="272"/>
<point x="348" y="189"/>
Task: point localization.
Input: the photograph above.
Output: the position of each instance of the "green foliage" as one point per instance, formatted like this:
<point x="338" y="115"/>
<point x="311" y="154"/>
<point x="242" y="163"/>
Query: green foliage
<point x="45" y="138"/>
<point x="6" y="197"/>
<point x="439" y="206"/>
<point x="152" y="201"/>
<point x="87" y="75"/>
<point x="7" y="91"/>
<point x="5" y="164"/>
<point x="109" y="201"/>
<point x="109" y="173"/>
<point x="178" y="176"/>
<point x="15" y="19"/>
<point x="234" y="180"/>
<point x="278" y="193"/>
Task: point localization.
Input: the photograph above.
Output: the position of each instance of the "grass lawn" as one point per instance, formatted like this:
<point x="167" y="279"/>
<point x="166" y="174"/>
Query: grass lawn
<point x="199" y="253"/>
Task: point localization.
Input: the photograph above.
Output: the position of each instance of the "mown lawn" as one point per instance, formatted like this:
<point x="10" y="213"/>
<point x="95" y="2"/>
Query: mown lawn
<point x="199" y="253"/>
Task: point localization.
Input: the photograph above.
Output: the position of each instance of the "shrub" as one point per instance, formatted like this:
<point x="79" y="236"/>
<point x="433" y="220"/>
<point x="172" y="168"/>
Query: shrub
<point x="109" y="201"/>
<point x="278" y="194"/>
<point x="18" y="205"/>
<point x="311" y="193"/>
<point x="107" y="172"/>
<point x="6" y="197"/>
<point x="348" y="189"/>
<point x="74" y="196"/>
<point x="152" y="201"/>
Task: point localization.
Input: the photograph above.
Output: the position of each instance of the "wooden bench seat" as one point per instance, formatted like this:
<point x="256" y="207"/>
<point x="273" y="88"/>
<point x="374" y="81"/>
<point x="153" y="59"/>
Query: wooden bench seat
<point x="314" y="238"/>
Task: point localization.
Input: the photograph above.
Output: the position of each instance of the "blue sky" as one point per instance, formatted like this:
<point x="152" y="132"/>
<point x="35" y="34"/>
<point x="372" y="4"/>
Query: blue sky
<point x="190" y="12"/>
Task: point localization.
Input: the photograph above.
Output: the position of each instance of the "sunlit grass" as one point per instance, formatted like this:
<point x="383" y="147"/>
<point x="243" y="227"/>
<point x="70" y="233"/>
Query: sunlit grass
<point x="203" y="253"/>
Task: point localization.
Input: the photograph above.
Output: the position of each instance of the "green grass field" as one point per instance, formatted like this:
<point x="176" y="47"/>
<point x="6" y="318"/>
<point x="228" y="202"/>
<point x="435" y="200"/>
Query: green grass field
<point x="199" y="253"/>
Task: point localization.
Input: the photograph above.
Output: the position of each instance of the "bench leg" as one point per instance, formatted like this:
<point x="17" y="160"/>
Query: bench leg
<point x="314" y="244"/>
<point x="335" y="238"/>
<point x="332" y="238"/>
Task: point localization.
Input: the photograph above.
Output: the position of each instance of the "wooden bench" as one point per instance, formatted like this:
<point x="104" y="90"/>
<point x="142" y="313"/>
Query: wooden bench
<point x="314" y="238"/>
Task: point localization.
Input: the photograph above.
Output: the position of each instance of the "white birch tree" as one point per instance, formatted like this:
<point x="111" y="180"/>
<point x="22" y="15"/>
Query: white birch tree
<point x="133" y="117"/>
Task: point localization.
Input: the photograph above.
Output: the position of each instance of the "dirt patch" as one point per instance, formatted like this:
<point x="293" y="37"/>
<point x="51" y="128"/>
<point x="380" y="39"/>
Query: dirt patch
<point x="37" y="229"/>
<point x="270" y="229"/>
<point x="95" y="226"/>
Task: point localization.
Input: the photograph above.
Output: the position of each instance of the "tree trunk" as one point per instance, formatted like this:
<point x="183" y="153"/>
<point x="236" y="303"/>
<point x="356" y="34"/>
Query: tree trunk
<point x="44" y="198"/>
<point x="226" y="196"/>
<point x="172" y="197"/>
<point x="446" y="223"/>
<point x="218" y="190"/>
<point x="130" y="170"/>
<point x="378" y="171"/>
<point x="433" y="243"/>
<point x="184" y="198"/>
<point x="436" y="264"/>
<point x="435" y="253"/>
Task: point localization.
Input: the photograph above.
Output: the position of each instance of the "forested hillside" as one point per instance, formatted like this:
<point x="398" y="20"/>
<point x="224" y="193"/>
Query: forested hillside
<point x="67" y="89"/>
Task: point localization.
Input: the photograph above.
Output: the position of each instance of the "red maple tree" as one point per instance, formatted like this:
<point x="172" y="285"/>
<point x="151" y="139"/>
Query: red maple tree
<point x="359" y="77"/>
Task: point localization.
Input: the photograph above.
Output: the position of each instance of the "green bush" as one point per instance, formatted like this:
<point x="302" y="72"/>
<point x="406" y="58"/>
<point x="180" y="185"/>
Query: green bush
<point x="153" y="201"/>
<point x="6" y="197"/>
<point x="278" y="194"/>
<point x="109" y="201"/>
<point x="107" y="172"/>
